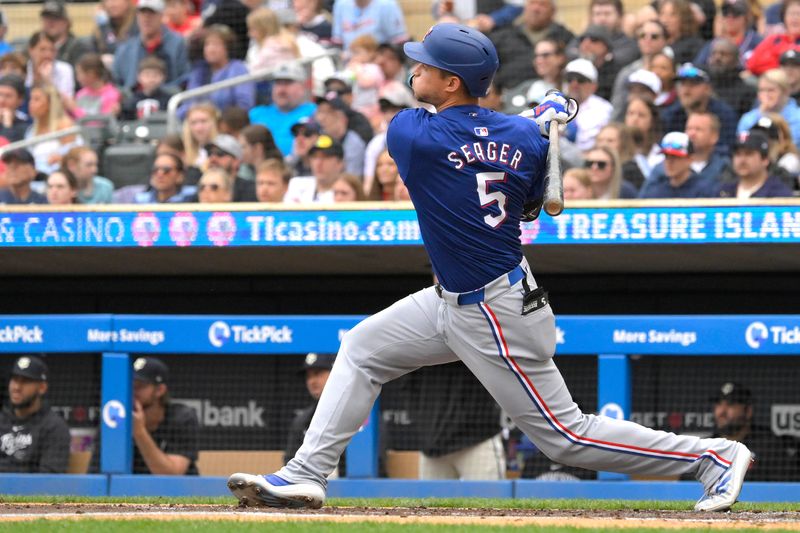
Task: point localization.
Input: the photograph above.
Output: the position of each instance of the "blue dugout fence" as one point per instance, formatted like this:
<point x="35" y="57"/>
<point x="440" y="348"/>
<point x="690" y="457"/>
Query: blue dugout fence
<point x="612" y="338"/>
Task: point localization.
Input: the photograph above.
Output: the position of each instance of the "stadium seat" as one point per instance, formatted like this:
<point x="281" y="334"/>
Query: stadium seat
<point x="128" y="164"/>
<point x="98" y="130"/>
<point x="148" y="129"/>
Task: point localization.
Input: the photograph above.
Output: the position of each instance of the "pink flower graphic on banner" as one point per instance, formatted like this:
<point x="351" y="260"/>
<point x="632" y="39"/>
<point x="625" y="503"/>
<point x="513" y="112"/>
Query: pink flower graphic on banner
<point x="529" y="231"/>
<point x="183" y="229"/>
<point x="146" y="229"/>
<point x="221" y="229"/>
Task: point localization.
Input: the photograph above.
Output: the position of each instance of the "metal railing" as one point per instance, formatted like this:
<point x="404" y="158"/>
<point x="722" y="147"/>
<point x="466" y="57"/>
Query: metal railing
<point x="262" y="74"/>
<point x="32" y="141"/>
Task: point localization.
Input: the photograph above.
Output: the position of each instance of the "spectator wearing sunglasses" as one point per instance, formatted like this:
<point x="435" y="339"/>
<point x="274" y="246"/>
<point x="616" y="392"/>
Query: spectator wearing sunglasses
<point x="736" y="25"/>
<point x="166" y="183"/>
<point x="215" y="186"/>
<point x="678" y="179"/>
<point x="595" y="112"/>
<point x="305" y="132"/>
<point x="605" y="174"/>
<point x="751" y="164"/>
<point x="225" y="152"/>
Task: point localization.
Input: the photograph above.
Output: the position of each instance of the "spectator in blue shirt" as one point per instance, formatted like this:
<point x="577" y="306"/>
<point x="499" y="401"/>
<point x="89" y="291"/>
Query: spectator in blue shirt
<point x="4" y="46"/>
<point x="153" y="39"/>
<point x="290" y="103"/>
<point x="217" y="66"/>
<point x="20" y="172"/>
<point x="751" y="165"/>
<point x="774" y="97"/>
<point x="383" y="19"/>
<point x="166" y="183"/>
<point x="678" y="180"/>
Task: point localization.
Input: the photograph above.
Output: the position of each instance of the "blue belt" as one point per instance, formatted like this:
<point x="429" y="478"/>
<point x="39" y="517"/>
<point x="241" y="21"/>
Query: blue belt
<point x="475" y="297"/>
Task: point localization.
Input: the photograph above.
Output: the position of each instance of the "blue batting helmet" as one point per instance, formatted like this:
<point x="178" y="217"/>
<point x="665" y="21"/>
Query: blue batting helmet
<point x="459" y="49"/>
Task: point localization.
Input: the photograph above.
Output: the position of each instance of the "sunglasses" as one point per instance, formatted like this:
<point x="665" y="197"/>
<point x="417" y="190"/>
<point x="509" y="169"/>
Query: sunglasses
<point x="163" y="170"/>
<point x="732" y="13"/>
<point x="217" y="153"/>
<point x="214" y="187"/>
<point x="306" y="133"/>
<point x="652" y="36"/>
<point x="576" y="78"/>
<point x="589" y="163"/>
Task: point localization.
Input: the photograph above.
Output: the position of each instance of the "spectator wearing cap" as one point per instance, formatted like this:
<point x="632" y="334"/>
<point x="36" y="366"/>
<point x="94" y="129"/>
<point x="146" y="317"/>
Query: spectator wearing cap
<point x="783" y="154"/>
<point x="751" y="168"/>
<point x="327" y="166"/>
<point x="164" y="432"/>
<point x="306" y="132"/>
<point x="149" y="95"/>
<point x="651" y="37"/>
<point x="115" y="24"/>
<point x="737" y="26"/>
<point x="13" y="122"/>
<point x="726" y="79"/>
<point x="153" y="39"/>
<point x="774" y="97"/>
<point x="775" y="457"/>
<point x="676" y="179"/>
<point x="695" y="94"/>
<point x="515" y="43"/>
<point x="217" y="66"/>
<point x="316" y="369"/>
<point x="57" y="25"/>
<point x="4" y="46"/>
<point x="392" y="98"/>
<point x="643" y="84"/>
<point x="272" y="181"/>
<point x="33" y="439"/>
<point x="340" y="83"/>
<point x="20" y="172"/>
<point x="166" y="184"/>
<point x="290" y="103"/>
<point x="790" y="64"/>
<point x="257" y="146"/>
<point x="766" y="55"/>
<point x="225" y="152"/>
<point x="683" y="38"/>
<point x="331" y="114"/>
<point x="595" y="45"/>
<point x="580" y="76"/>
<point x="44" y="68"/>
<point x="383" y="19"/>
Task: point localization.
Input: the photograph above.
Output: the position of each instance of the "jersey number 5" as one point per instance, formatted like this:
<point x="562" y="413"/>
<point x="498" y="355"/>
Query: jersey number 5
<point x="488" y="198"/>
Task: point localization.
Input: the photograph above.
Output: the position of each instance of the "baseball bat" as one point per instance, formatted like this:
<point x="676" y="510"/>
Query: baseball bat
<point x="554" y="185"/>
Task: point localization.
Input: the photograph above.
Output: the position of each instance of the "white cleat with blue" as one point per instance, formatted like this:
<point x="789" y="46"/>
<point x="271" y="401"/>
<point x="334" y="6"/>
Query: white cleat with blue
<point x="726" y="489"/>
<point x="273" y="491"/>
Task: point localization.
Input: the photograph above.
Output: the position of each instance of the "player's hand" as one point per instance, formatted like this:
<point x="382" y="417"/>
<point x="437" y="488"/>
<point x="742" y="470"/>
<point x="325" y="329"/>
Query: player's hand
<point x="554" y="107"/>
<point x="531" y="210"/>
<point x="138" y="418"/>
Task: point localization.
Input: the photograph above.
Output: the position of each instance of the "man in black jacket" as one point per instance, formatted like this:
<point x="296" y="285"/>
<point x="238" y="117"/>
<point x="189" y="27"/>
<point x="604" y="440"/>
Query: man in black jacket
<point x="33" y="439"/>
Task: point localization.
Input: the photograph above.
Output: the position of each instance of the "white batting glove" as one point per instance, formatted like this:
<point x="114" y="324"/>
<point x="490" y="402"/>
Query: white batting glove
<point x="554" y="106"/>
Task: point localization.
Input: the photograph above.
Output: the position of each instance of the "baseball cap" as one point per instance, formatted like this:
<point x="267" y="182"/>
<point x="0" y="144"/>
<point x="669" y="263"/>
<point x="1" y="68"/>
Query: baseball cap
<point x="752" y="140"/>
<point x="307" y="123"/>
<point x="31" y="367"/>
<point x="150" y="370"/>
<point x="152" y="5"/>
<point x="733" y="392"/>
<point x="18" y="154"/>
<point x="791" y="57"/>
<point x="342" y="76"/>
<point x="767" y="126"/>
<point x="332" y="98"/>
<point x="326" y="145"/>
<point x="227" y="144"/>
<point x="319" y="361"/>
<point x="290" y="72"/>
<point x="646" y="78"/>
<point x="583" y="67"/>
<point x="676" y="143"/>
<point x="395" y="94"/>
<point x="53" y="8"/>
<point x="735" y="7"/>
<point x="689" y="72"/>
<point x="596" y="32"/>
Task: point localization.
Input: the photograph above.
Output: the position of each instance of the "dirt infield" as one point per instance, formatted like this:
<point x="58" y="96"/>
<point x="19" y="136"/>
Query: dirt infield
<point x="413" y="515"/>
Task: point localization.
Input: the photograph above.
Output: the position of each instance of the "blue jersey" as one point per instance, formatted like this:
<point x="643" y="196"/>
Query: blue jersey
<point x="469" y="171"/>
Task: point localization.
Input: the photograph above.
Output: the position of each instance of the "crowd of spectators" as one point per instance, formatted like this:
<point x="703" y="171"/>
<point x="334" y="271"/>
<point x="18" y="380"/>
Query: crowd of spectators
<point x="677" y="99"/>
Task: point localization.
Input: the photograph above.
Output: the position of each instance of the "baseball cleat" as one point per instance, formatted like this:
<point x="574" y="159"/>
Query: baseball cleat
<point x="273" y="491"/>
<point x="726" y="489"/>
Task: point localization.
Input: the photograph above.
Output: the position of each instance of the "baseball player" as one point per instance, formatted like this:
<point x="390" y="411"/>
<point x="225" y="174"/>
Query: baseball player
<point x="472" y="175"/>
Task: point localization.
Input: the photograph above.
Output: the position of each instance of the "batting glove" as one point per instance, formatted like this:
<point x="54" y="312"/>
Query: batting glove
<point x="531" y="210"/>
<point x="554" y="106"/>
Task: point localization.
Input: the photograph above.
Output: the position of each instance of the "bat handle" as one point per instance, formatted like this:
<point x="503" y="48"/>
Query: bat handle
<point x="554" y="187"/>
